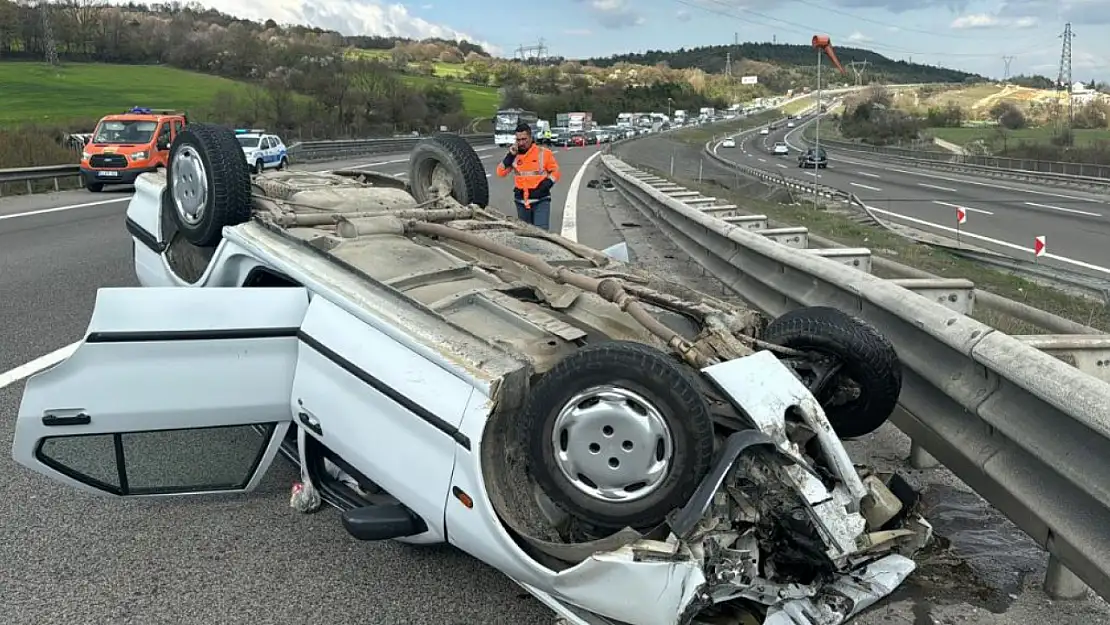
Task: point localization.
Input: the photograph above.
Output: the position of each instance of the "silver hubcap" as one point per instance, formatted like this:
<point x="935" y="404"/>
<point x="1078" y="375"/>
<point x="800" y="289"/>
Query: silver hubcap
<point x="612" y="444"/>
<point x="190" y="185"/>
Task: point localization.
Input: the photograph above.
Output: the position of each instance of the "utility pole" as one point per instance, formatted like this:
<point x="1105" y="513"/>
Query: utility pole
<point x="1007" y="60"/>
<point x="728" y="64"/>
<point x="862" y="67"/>
<point x="49" y="45"/>
<point x="1064" y="79"/>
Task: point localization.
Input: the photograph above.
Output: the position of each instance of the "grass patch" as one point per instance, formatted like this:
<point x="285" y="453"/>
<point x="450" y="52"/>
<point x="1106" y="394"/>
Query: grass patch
<point x="838" y="226"/>
<point x="478" y="100"/>
<point x="797" y="106"/>
<point x="36" y="93"/>
<point x="1041" y="134"/>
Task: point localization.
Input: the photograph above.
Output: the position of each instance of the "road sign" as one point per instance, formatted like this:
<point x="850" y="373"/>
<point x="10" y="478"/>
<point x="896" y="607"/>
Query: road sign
<point x="1039" y="246"/>
<point x="961" y="215"/>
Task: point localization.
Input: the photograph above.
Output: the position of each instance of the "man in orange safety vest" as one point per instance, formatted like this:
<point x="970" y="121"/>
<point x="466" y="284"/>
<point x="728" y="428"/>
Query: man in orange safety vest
<point x="536" y="171"/>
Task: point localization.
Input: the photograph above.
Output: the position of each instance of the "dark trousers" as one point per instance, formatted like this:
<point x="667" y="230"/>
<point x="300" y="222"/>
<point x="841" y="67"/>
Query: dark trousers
<point x="539" y="213"/>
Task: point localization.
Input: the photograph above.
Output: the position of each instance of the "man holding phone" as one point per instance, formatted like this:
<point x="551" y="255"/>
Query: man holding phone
<point x="536" y="171"/>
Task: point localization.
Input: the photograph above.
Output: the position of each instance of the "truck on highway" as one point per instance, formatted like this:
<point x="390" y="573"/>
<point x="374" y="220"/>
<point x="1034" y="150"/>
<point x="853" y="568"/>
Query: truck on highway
<point x="506" y="121"/>
<point x="125" y="145"/>
<point x="580" y="122"/>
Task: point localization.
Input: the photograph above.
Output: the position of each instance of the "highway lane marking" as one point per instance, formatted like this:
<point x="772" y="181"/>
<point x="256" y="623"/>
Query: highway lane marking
<point x="57" y="209"/>
<point x="762" y="160"/>
<point x="869" y="175"/>
<point x="964" y="233"/>
<point x="966" y="208"/>
<point x="938" y="188"/>
<point x="1062" y="209"/>
<point x="978" y="183"/>
<point x="569" y="227"/>
<point x="781" y="165"/>
<point x="29" y="369"/>
<point x="864" y="186"/>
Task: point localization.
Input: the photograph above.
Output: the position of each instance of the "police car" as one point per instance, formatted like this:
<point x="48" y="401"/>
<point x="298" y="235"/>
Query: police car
<point x="262" y="151"/>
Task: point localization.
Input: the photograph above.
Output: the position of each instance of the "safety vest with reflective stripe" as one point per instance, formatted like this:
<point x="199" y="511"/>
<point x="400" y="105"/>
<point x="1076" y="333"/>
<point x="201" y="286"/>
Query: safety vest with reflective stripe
<point x="531" y="169"/>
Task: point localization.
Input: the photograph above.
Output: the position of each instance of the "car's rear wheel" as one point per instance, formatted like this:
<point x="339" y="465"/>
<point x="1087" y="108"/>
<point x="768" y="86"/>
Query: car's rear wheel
<point x="207" y="182"/>
<point x="447" y="164"/>
<point x="619" y="435"/>
<point x="852" y="369"/>
<point x="95" y="187"/>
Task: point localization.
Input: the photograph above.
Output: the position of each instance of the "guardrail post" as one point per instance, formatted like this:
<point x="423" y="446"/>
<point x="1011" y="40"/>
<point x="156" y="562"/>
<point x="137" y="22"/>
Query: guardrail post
<point x="1061" y="583"/>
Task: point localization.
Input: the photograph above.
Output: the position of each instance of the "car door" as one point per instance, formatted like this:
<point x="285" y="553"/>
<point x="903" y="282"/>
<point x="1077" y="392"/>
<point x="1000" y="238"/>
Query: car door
<point x="382" y="406"/>
<point x="172" y="391"/>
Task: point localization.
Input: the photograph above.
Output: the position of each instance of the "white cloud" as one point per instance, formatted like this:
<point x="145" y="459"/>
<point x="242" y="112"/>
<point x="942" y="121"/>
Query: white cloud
<point x="578" y="32"/>
<point x="683" y="15"/>
<point x="987" y="20"/>
<point x="858" y="37"/>
<point x="349" y="17"/>
<point x="615" y="14"/>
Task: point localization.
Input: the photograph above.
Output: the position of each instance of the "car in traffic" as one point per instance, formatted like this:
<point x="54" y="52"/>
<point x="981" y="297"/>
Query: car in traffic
<point x="790" y="124"/>
<point x="728" y="143"/>
<point x="815" y="158"/>
<point x="623" y="447"/>
<point x="780" y="149"/>
<point x="126" y="145"/>
<point x="764" y="131"/>
<point x="263" y="151"/>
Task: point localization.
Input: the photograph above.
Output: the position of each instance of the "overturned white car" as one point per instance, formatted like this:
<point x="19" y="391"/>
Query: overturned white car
<point x="626" y="449"/>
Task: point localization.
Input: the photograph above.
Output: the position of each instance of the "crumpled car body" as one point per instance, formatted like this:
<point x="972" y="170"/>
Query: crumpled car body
<point x="402" y="341"/>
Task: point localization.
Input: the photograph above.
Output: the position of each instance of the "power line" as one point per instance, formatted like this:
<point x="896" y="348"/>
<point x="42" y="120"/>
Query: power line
<point x="858" y="67"/>
<point x="1007" y="60"/>
<point x="1064" y="78"/>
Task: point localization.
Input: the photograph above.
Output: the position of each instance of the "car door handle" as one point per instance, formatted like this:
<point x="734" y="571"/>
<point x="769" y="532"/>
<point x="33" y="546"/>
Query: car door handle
<point x="51" y="420"/>
<point x="310" y="422"/>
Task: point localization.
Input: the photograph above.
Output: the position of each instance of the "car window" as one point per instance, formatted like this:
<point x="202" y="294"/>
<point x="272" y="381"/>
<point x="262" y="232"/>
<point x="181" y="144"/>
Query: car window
<point x="125" y="131"/>
<point x="248" y="142"/>
<point x="164" y="132"/>
<point x="266" y="144"/>
<point x="177" y="127"/>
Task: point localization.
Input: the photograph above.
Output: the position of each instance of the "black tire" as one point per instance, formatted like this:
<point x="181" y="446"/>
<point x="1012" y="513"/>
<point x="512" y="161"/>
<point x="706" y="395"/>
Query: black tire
<point x="227" y="179"/>
<point x="459" y="159"/>
<point x="656" y="377"/>
<point x="95" y="187"/>
<point x="866" y="356"/>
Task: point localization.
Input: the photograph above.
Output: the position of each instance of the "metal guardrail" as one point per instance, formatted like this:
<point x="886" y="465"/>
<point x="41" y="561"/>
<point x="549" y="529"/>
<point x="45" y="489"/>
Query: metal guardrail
<point x="1024" y="420"/>
<point x="1082" y="175"/>
<point x="303" y="151"/>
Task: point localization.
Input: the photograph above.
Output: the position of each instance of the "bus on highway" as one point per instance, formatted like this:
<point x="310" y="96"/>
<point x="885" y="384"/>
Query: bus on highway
<point x="504" y="125"/>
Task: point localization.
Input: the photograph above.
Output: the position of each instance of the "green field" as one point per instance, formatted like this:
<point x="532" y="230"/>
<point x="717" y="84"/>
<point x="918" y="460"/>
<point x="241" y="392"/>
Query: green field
<point x="1043" y="134"/>
<point x="38" y="93"/>
<point x="478" y="100"/>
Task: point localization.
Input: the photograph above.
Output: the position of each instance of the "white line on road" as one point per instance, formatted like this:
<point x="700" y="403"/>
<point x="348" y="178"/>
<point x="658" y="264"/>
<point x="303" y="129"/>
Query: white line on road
<point x="1062" y="209"/>
<point x="781" y="165"/>
<point x="938" y="188"/>
<point x="869" y="175"/>
<point x="966" y="208"/>
<point x="42" y="362"/>
<point x="569" y="228"/>
<point x="762" y="160"/>
<point x="964" y="233"/>
<point x="56" y="209"/>
<point x="864" y="186"/>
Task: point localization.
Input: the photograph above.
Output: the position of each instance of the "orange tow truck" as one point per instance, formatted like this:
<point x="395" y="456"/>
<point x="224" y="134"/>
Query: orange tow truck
<point x="128" y="144"/>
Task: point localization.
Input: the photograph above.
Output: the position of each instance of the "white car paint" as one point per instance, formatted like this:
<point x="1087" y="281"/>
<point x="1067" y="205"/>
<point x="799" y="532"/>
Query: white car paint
<point x="728" y="143"/>
<point x="350" y="359"/>
<point x="780" y="148"/>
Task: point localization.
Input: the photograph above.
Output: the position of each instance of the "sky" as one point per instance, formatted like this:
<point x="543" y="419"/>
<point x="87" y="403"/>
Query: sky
<point x="972" y="35"/>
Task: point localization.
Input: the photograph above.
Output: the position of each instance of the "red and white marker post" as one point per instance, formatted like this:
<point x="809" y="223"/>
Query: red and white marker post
<point x="961" y="219"/>
<point x="1039" y="247"/>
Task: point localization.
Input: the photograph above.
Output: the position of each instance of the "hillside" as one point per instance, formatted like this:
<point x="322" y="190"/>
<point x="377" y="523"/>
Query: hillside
<point x="785" y="62"/>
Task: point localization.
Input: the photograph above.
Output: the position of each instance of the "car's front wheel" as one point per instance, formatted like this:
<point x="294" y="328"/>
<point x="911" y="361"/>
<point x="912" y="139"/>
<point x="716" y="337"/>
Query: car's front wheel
<point x="619" y="435"/>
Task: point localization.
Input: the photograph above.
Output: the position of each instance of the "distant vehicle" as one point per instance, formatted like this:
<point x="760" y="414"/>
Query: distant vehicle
<point x="505" y="123"/>
<point x="780" y="149"/>
<point x="765" y="131"/>
<point x="789" y="124"/>
<point x="728" y="143"/>
<point x="813" y="157"/>
<point x="262" y="151"/>
<point x="123" y="146"/>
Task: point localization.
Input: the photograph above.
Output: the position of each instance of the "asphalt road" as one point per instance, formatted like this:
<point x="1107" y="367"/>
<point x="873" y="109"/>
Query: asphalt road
<point x="71" y="559"/>
<point x="1002" y="216"/>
